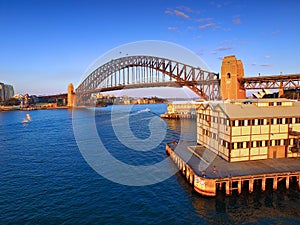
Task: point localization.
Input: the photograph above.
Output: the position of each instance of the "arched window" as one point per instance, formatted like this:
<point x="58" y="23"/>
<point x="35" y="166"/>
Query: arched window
<point x="228" y="75"/>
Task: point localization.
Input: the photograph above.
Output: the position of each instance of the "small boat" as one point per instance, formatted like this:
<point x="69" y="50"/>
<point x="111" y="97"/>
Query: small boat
<point x="145" y="110"/>
<point x="27" y="119"/>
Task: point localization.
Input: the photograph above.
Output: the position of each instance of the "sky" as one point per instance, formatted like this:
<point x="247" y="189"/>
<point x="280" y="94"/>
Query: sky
<point x="47" y="44"/>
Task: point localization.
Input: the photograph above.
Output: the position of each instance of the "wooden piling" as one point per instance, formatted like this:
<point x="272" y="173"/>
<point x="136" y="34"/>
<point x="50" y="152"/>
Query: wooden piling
<point x="275" y="183"/>
<point x="239" y="186"/>
<point x="251" y="182"/>
<point x="220" y="186"/>
<point x="287" y="182"/>
<point x="263" y="184"/>
<point x="227" y="188"/>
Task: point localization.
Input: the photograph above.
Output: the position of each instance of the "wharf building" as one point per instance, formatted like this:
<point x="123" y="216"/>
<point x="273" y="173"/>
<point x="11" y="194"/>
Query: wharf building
<point x="242" y="130"/>
<point x="242" y="144"/>
<point x="181" y="110"/>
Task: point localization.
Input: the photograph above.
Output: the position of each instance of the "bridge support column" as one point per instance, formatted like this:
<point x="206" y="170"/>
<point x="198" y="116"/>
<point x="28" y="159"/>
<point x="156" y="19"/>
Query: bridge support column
<point x="71" y="95"/>
<point x="280" y="92"/>
<point x="231" y="70"/>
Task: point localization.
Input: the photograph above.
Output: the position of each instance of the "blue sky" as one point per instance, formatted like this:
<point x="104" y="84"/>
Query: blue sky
<point x="44" y="45"/>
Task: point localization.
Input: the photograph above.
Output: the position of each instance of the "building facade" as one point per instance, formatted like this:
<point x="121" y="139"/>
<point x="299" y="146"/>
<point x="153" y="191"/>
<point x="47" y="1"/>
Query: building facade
<point x="6" y="92"/>
<point x="2" y="96"/>
<point x="242" y="130"/>
<point x="182" y="109"/>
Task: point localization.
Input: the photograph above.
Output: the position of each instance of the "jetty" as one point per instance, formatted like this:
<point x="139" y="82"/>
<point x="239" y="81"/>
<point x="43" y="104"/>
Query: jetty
<point x="208" y="173"/>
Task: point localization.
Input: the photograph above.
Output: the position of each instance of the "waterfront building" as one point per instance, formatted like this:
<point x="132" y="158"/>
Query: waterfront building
<point x="250" y="129"/>
<point x="2" y="96"/>
<point x="182" y="109"/>
<point x="6" y="92"/>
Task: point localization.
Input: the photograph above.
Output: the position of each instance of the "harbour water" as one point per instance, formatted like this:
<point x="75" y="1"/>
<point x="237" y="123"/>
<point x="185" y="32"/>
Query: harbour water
<point x="44" y="179"/>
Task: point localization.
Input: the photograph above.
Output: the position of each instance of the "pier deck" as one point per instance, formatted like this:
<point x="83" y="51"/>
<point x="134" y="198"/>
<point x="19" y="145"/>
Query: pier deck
<point x="197" y="159"/>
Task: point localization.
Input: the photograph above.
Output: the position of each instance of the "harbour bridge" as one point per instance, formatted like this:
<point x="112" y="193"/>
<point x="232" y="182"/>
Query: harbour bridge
<point x="142" y="71"/>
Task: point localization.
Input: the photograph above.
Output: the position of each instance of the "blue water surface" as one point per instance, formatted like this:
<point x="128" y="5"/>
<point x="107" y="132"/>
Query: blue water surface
<point x="45" y="180"/>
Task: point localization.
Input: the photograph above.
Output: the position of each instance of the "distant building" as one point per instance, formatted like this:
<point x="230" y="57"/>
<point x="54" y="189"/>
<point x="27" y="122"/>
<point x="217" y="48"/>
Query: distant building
<point x="6" y="92"/>
<point x="242" y="130"/>
<point x="2" y="96"/>
<point x="181" y="109"/>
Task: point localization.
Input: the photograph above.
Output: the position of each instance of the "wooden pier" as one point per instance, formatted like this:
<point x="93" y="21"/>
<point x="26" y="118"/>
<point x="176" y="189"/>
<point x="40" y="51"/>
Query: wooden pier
<point x="208" y="173"/>
<point x="178" y="116"/>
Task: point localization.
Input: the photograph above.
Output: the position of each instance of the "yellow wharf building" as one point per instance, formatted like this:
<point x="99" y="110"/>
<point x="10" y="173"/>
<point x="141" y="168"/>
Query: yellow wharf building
<point x="241" y="142"/>
<point x="241" y="130"/>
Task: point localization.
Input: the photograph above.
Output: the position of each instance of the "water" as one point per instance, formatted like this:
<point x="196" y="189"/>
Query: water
<point x="45" y="180"/>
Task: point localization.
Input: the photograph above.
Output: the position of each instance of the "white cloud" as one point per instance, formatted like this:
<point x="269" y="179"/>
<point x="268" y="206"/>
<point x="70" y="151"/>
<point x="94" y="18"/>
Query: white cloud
<point x="203" y="19"/>
<point x="173" y="28"/>
<point x="177" y="13"/>
<point x="237" y="21"/>
<point x="207" y="25"/>
<point x="224" y="48"/>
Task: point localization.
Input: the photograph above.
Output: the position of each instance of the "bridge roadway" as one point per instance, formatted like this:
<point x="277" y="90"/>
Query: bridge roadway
<point x="173" y="84"/>
<point x="288" y="81"/>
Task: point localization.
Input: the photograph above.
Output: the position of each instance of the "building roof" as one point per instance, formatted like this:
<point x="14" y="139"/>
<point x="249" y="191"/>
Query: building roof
<point x="186" y="102"/>
<point x="253" y="111"/>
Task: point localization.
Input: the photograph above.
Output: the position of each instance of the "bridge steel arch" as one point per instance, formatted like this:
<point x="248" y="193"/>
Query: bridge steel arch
<point x="143" y="71"/>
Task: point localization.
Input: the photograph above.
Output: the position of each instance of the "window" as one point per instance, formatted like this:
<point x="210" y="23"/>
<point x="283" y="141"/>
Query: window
<point x="260" y="122"/>
<point x="289" y="120"/>
<point x="228" y="75"/>
<point x="227" y="122"/>
<point x="267" y="143"/>
<point x="214" y="136"/>
<point x="273" y="121"/>
<point x="271" y="103"/>
<point x="277" y="142"/>
<point x="240" y="145"/>
<point x="259" y="144"/>
<point x="279" y="103"/>
<point x="279" y="121"/>
<point x="297" y="120"/>
<point x="232" y="145"/>
<point x="241" y="123"/>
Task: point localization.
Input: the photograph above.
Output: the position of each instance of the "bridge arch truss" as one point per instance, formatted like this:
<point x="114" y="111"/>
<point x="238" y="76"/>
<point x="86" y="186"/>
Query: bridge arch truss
<point x="150" y="71"/>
